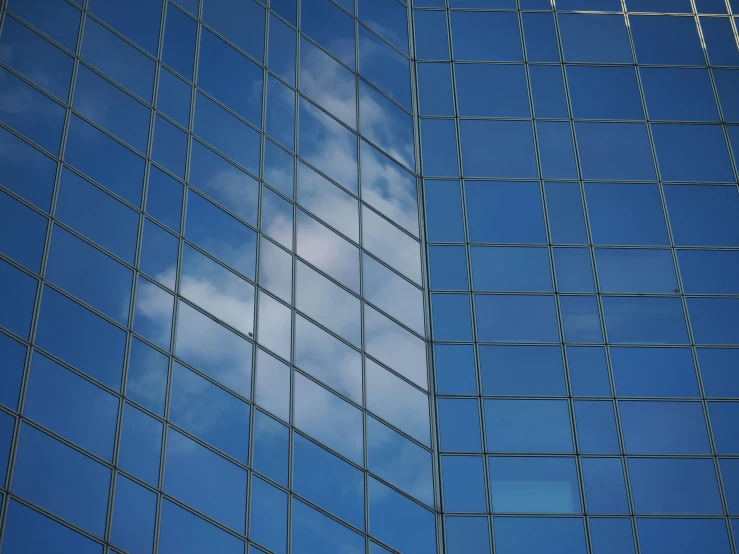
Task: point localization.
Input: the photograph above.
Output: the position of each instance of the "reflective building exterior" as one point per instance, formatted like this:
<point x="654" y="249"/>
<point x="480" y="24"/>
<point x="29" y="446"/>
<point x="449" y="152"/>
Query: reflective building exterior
<point x="369" y="277"/>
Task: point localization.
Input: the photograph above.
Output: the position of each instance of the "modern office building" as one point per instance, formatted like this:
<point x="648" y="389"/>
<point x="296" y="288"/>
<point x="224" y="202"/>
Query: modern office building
<point x="369" y="277"/>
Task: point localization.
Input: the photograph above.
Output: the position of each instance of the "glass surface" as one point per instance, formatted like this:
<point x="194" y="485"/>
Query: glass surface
<point x="654" y="372"/>
<point x="521" y="370"/>
<point x="730" y="480"/>
<point x="703" y="215"/>
<point x="463" y="484"/>
<point x="61" y="480"/>
<point x="726" y="81"/>
<point x="268" y="522"/>
<point x="527" y="426"/>
<point x="516" y="318"/>
<point x="393" y="294"/>
<point x="314" y="532"/>
<point x="141" y="445"/>
<point x="512" y="142"/>
<point x="173" y="97"/>
<point x="210" y="413"/>
<point x="615" y="151"/>
<point x="666" y="40"/>
<point x="717" y="370"/>
<point x="438" y="142"/>
<point x="574" y="270"/>
<point x="714" y="320"/>
<point x="271" y="448"/>
<point x="452" y="319"/>
<point x="637" y="271"/>
<point x="182" y="532"/>
<point x="277" y="218"/>
<point x="486" y="90"/>
<point x="709" y="271"/>
<point x="588" y="371"/>
<point x="435" y="88"/>
<point x="275" y="325"/>
<point x="611" y="536"/>
<point x="134" y="516"/>
<point x="12" y="360"/>
<point x="328" y="481"/>
<point x="594" y="38"/>
<point x="674" y="486"/>
<point x="534" y="485"/>
<point x="240" y="22"/>
<point x="18" y="297"/>
<point x="328" y="251"/>
<point x="164" y="198"/>
<point x="644" y="320"/>
<point x="7" y="427"/>
<point x="58" y="20"/>
<point x="92" y="276"/>
<point x="330" y="27"/>
<point x="118" y="59"/>
<point x="723" y="417"/>
<point x="605" y="491"/>
<point x="467" y="535"/>
<point x="540" y="36"/>
<point x="664" y="427"/>
<point x="444" y="211"/>
<point x="282" y="42"/>
<point x="548" y="90"/>
<point x="178" y="49"/>
<point x="81" y="338"/>
<point x="387" y="18"/>
<point x="26" y="171"/>
<point x="140" y="24"/>
<point x="604" y="92"/>
<point x="279" y="169"/>
<point x="43" y="63"/>
<point x="432" y="38"/>
<point x="71" y="406"/>
<point x="281" y="112"/>
<point x="504" y="268"/>
<point x="706" y="146"/>
<point x="556" y="151"/>
<point x="486" y="36"/>
<point x="272" y="389"/>
<point x="384" y="123"/>
<point x="206" y="481"/>
<point x="159" y="254"/>
<point x="531" y="535"/>
<point x="682" y="536"/>
<point x="566" y="215"/>
<point x="213" y="349"/>
<point x="169" y="147"/>
<point x="695" y="102"/>
<point x="390" y="244"/>
<point x="147" y="376"/>
<point x="455" y="369"/>
<point x="448" y="267"/>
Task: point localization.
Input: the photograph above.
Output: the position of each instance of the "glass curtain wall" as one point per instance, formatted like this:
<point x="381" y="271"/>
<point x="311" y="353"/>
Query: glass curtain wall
<point x="583" y="223"/>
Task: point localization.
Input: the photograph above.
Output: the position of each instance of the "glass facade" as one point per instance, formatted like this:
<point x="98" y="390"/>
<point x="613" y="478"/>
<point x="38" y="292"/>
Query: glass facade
<point x="369" y="276"/>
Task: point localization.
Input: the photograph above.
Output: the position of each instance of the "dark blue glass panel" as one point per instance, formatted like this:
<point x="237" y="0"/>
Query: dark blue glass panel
<point x="330" y="27"/>
<point x="727" y="82"/>
<point x="282" y="45"/>
<point x="147" y="376"/>
<point x="435" y="89"/>
<point x="547" y="91"/>
<point x="210" y="413"/>
<point x="451" y="317"/>
<point x="580" y="318"/>
<point x="169" y="147"/>
<point x="504" y="212"/>
<point x="239" y="88"/>
<point x="615" y="151"/>
<point x="605" y="491"/>
<point x="596" y="427"/>
<point x="666" y="40"/>
<point x="221" y="234"/>
<point x="41" y="62"/>
<point x="90" y="275"/>
<point x="227" y="133"/>
<point x="105" y="160"/>
<point x="58" y="20"/>
<point x="645" y="320"/>
<point x="724" y="416"/>
<point x="518" y="535"/>
<point x="718" y="369"/>
<point x="268" y="523"/>
<point x="271" y="448"/>
<point x="511" y="268"/>
<point x="674" y="486"/>
<point x="522" y="370"/>
<point x="135" y="511"/>
<point x="26" y="171"/>
<point x="280" y="112"/>
<point x="540" y="36"/>
<point x="62" y="480"/>
<point x="279" y="168"/>
<point x="664" y="427"/>
<point x="206" y="481"/>
<point x="192" y="6"/>
<point x="224" y="182"/>
<point x="709" y="271"/>
<point x="182" y="532"/>
<point x="486" y="90"/>
<point x="141" y="445"/>
<point x="651" y="372"/>
<point x="384" y="67"/>
<point x="590" y="5"/>
<point x="556" y="151"/>
<point x="459" y="425"/>
<point x="692" y="153"/>
<point x="81" y="338"/>
<point x="111" y="108"/>
<point x="153" y="313"/>
<point x="387" y="18"/>
<point x="388" y="126"/>
<point x="566" y="215"/>
<point x="164" y="198"/>
<point x="595" y="38"/>
<point x="455" y="369"/>
<point x="534" y="484"/>
<point x="138" y="20"/>
<point x="173" y="97"/>
<point x="285" y="8"/>
<point x="486" y="36"/>
<point x="714" y="320"/>
<point x="512" y="143"/>
<point x="439" y="147"/>
<point x="432" y="38"/>
<point x="12" y="361"/>
<point x="463" y="484"/>
<point x="682" y="536"/>
<point x="117" y="59"/>
<point x="240" y="22"/>
<point x="611" y="536"/>
<point x="159" y="252"/>
<point x="604" y="92"/>
<point x="610" y="205"/>
<point x="677" y="6"/>
<point x="328" y="481"/>
<point x="703" y="215"/>
<point x="71" y="407"/>
<point x="694" y="102"/>
<point x="711" y="6"/>
<point x="467" y="535"/>
<point x="528" y="426"/>
<point x="588" y="371"/>
<point x="574" y="270"/>
<point x="178" y="50"/>
<point x="444" y="211"/>
<point x="516" y="318"/>
<point x="314" y="532"/>
<point x="7" y="426"/>
<point x="636" y="270"/>
<point x="400" y="522"/>
<point x="31" y="112"/>
<point x="730" y="480"/>
<point x="448" y="267"/>
<point x="17" y="296"/>
<point x="29" y="531"/>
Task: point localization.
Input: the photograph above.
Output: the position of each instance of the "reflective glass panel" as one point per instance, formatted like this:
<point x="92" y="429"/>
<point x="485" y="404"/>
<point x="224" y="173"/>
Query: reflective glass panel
<point x="527" y="426"/>
<point x="664" y="427"/>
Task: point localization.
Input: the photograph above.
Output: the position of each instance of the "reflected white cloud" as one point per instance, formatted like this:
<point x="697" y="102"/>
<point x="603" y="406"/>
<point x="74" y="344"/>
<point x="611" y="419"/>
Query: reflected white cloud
<point x="386" y="125"/>
<point x="273" y="385"/>
<point x="391" y="245"/>
<point x="276" y="270"/>
<point x="328" y="202"/>
<point x="275" y="326"/>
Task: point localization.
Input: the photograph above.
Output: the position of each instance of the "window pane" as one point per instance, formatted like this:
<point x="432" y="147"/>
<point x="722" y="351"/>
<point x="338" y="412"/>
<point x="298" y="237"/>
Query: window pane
<point x="141" y="24"/>
<point x="540" y="36"/>
<point x="18" y="296"/>
<point x="714" y="320"/>
<point x="695" y="102"/>
<point x="486" y="36"/>
<point x="448" y="267"/>
<point x="615" y="151"/>
<point x="519" y="535"/>
<point x="314" y="532"/>
<point x="26" y="171"/>
<point x="706" y="146"/>
<point x="636" y="271"/>
<point x="651" y="372"/>
<point x="452" y="318"/>
<point x="574" y="269"/>
<point x="724" y="416"/>
<point x="459" y="425"/>
<point x="444" y="211"/>
<point x="594" y="38"/>
<point x="516" y="318"/>
<point x="240" y="22"/>
<point x="272" y="389"/>
<point x="521" y="370"/>
<point x="467" y="535"/>
<point x="588" y="371"/>
<point x="486" y="90"/>
<point x="439" y="147"/>
<point x="12" y="360"/>
<point x="330" y="27"/>
<point x="605" y="491"/>
<point x="432" y="39"/>
<point x="664" y="427"/>
<point x="268" y="524"/>
<point x="182" y="532"/>
<point x="566" y="216"/>
<point x="611" y="536"/>
<point x="511" y="141"/>
<point x="383" y="66"/>
<point x="682" y="536"/>
<point x="135" y="510"/>
<point x="718" y="368"/>
<point x="596" y="427"/>
<point x="666" y="40"/>
<point x="141" y="445"/>
<point x="271" y="448"/>
<point x="645" y="320"/>
<point x="435" y="87"/>
<point x="147" y="376"/>
<point x="703" y="215"/>
<point x="528" y="426"/>
<point x="604" y="92"/>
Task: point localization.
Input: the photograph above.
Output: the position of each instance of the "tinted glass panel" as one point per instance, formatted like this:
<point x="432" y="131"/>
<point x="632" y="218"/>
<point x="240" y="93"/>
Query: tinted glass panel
<point x="527" y="426"/>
